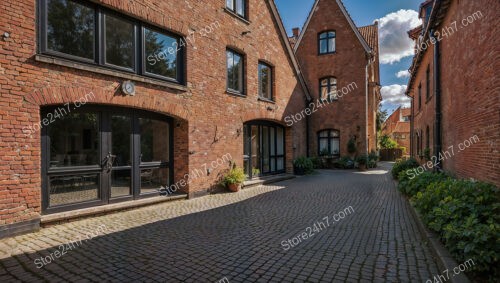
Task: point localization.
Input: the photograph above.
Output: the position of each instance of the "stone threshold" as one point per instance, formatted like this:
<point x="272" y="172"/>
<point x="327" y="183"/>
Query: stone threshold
<point x="445" y="260"/>
<point x="66" y="216"/>
<point x="267" y="180"/>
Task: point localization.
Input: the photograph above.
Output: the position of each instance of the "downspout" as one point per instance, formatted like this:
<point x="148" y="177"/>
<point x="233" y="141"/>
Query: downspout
<point x="411" y="124"/>
<point x="307" y="129"/>
<point x="367" y="79"/>
<point x="437" y="93"/>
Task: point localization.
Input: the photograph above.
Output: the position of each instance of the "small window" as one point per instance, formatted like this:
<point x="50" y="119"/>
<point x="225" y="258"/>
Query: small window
<point x="70" y="28"/>
<point x="328" y="89"/>
<point x="265" y="81"/>
<point x="237" y="6"/>
<point x="327" y="42"/>
<point x="235" y="71"/>
<point x="329" y="143"/>
<point x="120" y="42"/>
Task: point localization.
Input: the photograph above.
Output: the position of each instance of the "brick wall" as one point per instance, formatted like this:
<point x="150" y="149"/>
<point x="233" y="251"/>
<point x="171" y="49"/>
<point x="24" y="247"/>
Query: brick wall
<point x="207" y="121"/>
<point x="470" y="91"/>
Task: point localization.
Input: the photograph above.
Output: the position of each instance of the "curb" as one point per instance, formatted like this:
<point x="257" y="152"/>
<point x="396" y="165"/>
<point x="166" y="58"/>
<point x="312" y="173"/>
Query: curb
<point x="444" y="259"/>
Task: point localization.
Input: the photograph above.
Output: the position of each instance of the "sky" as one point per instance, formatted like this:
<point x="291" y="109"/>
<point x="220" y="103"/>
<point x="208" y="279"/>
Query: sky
<point x="395" y="18"/>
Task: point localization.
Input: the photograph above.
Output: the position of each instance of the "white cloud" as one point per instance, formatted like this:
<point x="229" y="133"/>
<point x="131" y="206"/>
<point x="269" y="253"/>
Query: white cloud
<point x="403" y="74"/>
<point x="393" y="35"/>
<point x="395" y="95"/>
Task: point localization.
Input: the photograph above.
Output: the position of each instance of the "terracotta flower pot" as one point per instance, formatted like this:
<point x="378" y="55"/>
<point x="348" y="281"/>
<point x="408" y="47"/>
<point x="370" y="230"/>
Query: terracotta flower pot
<point x="234" y="187"/>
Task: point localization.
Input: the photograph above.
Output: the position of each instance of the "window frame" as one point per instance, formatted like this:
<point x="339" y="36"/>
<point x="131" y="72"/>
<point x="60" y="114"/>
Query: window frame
<point x="329" y="139"/>
<point x="140" y="57"/>
<point x="243" y="80"/>
<point x="327" y="32"/>
<point x="328" y="86"/>
<point x="271" y="80"/>
<point x="234" y="10"/>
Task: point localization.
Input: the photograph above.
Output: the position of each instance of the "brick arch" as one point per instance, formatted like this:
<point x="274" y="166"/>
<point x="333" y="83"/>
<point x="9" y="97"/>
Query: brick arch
<point x="63" y="95"/>
<point x="262" y="114"/>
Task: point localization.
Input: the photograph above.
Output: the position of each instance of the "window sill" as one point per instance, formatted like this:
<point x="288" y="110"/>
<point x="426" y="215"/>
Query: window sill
<point x="237" y="16"/>
<point x="235" y="93"/>
<point x="266" y="100"/>
<point x="328" y="53"/>
<point x="105" y="71"/>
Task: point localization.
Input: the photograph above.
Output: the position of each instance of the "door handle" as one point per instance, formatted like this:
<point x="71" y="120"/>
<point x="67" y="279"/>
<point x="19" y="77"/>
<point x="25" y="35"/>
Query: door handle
<point x="108" y="161"/>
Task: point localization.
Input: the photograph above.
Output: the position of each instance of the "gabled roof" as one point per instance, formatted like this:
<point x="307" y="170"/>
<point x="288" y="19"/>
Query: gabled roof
<point x="291" y="54"/>
<point x="370" y="34"/>
<point x="349" y="20"/>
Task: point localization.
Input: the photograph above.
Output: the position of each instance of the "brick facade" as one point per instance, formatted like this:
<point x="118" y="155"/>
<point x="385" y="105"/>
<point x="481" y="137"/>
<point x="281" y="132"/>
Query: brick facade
<point x="207" y="121"/>
<point x="351" y="114"/>
<point x="398" y="128"/>
<point x="469" y="89"/>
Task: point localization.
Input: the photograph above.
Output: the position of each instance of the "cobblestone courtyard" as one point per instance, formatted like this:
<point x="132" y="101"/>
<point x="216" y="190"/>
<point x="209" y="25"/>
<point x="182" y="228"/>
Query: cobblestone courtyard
<point x="238" y="237"/>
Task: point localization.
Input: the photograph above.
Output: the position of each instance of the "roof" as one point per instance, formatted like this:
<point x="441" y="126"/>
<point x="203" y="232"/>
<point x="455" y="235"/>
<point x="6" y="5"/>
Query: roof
<point x="370" y="34"/>
<point x="402" y="127"/>
<point x="349" y="20"/>
<point x="405" y="112"/>
<point x="289" y="49"/>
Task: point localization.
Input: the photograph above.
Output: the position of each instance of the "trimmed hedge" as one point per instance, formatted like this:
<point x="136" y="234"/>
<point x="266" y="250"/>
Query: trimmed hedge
<point x="403" y="165"/>
<point x="465" y="214"/>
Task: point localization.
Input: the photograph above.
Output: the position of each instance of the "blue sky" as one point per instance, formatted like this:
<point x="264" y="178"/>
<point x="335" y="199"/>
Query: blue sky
<point x="394" y="43"/>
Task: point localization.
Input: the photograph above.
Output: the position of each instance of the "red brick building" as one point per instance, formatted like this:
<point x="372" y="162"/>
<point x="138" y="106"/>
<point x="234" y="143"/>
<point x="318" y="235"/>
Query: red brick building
<point x="340" y="63"/>
<point x="455" y="88"/>
<point x="111" y="101"/>
<point x="397" y="127"/>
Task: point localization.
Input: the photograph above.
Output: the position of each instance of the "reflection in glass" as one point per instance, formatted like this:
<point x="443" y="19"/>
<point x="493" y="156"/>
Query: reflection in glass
<point x="265" y="150"/>
<point x="153" y="179"/>
<point x="121" y="129"/>
<point x="161" y="54"/>
<point x="154" y="140"/>
<point x="120" y="38"/>
<point x="234" y="71"/>
<point x="74" y="140"/>
<point x="70" y="28"/>
<point x="255" y="149"/>
<point x="120" y="183"/>
<point x="73" y="189"/>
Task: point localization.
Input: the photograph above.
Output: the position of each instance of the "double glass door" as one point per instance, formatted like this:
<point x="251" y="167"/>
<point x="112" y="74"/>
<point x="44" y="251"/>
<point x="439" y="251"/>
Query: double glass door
<point x="97" y="155"/>
<point x="264" y="149"/>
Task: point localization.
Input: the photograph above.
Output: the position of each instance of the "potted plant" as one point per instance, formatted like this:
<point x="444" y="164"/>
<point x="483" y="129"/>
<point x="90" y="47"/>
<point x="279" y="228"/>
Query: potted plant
<point x="234" y="178"/>
<point x="351" y="146"/>
<point x="326" y="158"/>
<point x="302" y="165"/>
<point x="362" y="161"/>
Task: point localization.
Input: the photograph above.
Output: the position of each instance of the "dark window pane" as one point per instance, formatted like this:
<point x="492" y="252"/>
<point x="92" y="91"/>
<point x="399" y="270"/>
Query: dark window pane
<point x="120" y="40"/>
<point x="280" y="141"/>
<point x="240" y="7"/>
<point x="73" y="189"/>
<point x="161" y="54"/>
<point x="154" y="179"/>
<point x="154" y="140"/>
<point x="74" y="139"/>
<point x="121" y="183"/>
<point x="70" y="28"/>
<point x="121" y="130"/>
<point x="265" y="81"/>
<point x="323" y="48"/>
<point x="234" y="71"/>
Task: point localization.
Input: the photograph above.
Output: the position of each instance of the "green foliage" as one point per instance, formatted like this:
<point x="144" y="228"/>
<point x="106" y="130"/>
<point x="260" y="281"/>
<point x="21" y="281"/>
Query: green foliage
<point x="381" y="117"/>
<point x="410" y="184"/>
<point x="235" y="176"/>
<point x="403" y="165"/>
<point x="466" y="215"/>
<point x="351" y="146"/>
<point x="362" y="159"/>
<point x="317" y="164"/>
<point x="387" y="143"/>
<point x="427" y="153"/>
<point x="304" y="163"/>
<point x="324" y="152"/>
<point x="345" y="163"/>
<point x="373" y="156"/>
<point x="255" y="171"/>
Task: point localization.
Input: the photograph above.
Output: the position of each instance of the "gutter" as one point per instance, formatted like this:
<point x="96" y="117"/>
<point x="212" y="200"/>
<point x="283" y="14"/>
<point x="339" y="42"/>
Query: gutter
<point x="437" y="93"/>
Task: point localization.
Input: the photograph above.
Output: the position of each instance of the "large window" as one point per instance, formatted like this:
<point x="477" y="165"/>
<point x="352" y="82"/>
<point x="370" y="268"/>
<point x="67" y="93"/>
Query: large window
<point x="238" y="7"/>
<point x="235" y="72"/>
<point x="96" y="35"/>
<point x="265" y="81"/>
<point x="328" y="89"/>
<point x="329" y="143"/>
<point x="100" y="155"/>
<point x="327" y="42"/>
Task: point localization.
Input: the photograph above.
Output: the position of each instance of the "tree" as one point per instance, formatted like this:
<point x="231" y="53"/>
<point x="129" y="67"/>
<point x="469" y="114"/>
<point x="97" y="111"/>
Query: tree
<point x="387" y="143"/>
<point x="381" y="117"/>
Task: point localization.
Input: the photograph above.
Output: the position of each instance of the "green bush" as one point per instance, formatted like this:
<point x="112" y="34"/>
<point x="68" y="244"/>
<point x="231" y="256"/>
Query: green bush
<point x="403" y="165"/>
<point x="235" y="176"/>
<point x="466" y="215"/>
<point x="346" y="163"/>
<point x="411" y="186"/>
<point x="304" y="163"/>
<point x="317" y="164"/>
<point x="351" y="146"/>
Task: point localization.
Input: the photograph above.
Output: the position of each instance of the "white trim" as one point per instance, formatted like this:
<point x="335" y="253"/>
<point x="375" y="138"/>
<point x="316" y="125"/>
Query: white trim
<point x="349" y="20"/>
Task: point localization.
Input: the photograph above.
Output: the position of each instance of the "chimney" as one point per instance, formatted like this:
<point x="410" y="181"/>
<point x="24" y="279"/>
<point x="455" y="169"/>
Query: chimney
<point x="296" y="32"/>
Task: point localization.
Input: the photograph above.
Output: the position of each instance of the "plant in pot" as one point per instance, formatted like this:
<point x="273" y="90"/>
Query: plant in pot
<point x="362" y="161"/>
<point x="234" y="178"/>
<point x="302" y="166"/>
<point x="326" y="158"/>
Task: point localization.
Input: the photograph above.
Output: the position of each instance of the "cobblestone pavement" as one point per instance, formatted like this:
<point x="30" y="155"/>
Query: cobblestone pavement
<point x="238" y="238"/>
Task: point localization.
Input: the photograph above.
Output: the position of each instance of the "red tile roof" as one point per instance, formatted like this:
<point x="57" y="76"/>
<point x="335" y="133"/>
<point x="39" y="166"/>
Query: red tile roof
<point x="370" y="34"/>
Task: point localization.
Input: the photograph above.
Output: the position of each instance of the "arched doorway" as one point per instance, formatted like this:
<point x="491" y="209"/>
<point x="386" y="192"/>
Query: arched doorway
<point x="97" y="155"/>
<point x="264" y="148"/>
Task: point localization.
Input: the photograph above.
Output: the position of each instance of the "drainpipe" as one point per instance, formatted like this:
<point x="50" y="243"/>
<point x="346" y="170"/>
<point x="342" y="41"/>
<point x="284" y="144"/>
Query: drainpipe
<point x="437" y="93"/>
<point x="307" y="130"/>
<point x="367" y="79"/>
